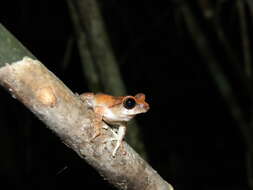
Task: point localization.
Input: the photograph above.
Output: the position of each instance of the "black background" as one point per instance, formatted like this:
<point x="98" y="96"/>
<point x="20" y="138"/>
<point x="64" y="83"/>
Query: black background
<point x="190" y="136"/>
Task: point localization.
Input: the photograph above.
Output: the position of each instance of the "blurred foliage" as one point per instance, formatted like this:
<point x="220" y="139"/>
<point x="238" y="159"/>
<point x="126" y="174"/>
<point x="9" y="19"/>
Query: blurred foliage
<point x="192" y="59"/>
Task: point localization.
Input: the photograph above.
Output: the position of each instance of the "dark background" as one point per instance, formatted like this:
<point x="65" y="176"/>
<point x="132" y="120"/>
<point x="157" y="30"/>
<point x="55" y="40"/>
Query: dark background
<point x="191" y="138"/>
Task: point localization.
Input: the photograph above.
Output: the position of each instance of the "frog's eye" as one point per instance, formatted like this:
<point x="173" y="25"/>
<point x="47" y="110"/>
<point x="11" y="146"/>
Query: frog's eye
<point x="129" y="103"/>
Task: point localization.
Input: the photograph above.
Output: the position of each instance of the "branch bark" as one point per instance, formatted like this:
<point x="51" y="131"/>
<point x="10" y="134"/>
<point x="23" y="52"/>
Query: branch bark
<point x="64" y="113"/>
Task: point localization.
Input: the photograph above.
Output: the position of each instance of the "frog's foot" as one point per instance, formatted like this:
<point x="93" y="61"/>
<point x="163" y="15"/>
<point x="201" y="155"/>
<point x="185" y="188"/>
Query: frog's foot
<point x="117" y="137"/>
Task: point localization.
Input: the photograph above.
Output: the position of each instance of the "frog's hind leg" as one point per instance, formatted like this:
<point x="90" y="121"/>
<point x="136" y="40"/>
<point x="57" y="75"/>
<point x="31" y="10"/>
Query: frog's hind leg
<point x="97" y="126"/>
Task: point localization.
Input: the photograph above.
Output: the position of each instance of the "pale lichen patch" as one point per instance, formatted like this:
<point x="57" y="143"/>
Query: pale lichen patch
<point x="46" y="96"/>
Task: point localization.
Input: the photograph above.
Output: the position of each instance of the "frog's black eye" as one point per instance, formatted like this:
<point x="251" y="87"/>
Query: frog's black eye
<point x="129" y="103"/>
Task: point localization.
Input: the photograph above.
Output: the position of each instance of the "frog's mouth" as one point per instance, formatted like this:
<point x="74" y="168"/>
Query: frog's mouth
<point x="131" y="116"/>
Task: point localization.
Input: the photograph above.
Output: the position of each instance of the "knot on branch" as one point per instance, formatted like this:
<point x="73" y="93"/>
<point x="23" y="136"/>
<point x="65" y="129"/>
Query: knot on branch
<point x="46" y="96"/>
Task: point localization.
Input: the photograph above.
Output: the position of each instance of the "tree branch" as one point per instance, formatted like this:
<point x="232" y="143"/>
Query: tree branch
<point x="64" y="113"/>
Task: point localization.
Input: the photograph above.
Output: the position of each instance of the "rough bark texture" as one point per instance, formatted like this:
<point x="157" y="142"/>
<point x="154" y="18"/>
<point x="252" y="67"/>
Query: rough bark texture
<point x="64" y="113"/>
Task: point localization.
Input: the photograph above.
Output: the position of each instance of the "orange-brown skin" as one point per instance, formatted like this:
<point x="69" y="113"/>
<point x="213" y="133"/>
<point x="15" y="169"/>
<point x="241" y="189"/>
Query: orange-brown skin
<point x="115" y="111"/>
<point x="111" y="101"/>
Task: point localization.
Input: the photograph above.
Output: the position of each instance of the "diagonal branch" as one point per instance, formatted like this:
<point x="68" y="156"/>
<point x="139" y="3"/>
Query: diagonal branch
<point x="64" y="113"/>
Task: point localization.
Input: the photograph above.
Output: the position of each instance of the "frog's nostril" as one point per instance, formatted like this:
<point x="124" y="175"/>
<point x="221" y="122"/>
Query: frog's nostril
<point x="145" y="106"/>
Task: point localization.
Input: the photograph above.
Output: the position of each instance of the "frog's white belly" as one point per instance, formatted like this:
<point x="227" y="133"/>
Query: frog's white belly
<point x="113" y="118"/>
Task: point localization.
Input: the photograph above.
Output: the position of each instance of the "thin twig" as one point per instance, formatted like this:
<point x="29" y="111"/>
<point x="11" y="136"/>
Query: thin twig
<point x="89" y="70"/>
<point x="219" y="77"/>
<point x="245" y="38"/>
<point x="68" y="53"/>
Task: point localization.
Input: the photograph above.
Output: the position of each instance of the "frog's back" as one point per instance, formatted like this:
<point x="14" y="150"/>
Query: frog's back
<point x="110" y="101"/>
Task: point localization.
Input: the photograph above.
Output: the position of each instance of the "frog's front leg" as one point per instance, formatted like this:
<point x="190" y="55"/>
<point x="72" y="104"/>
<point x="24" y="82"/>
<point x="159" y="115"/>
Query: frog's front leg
<point x="119" y="136"/>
